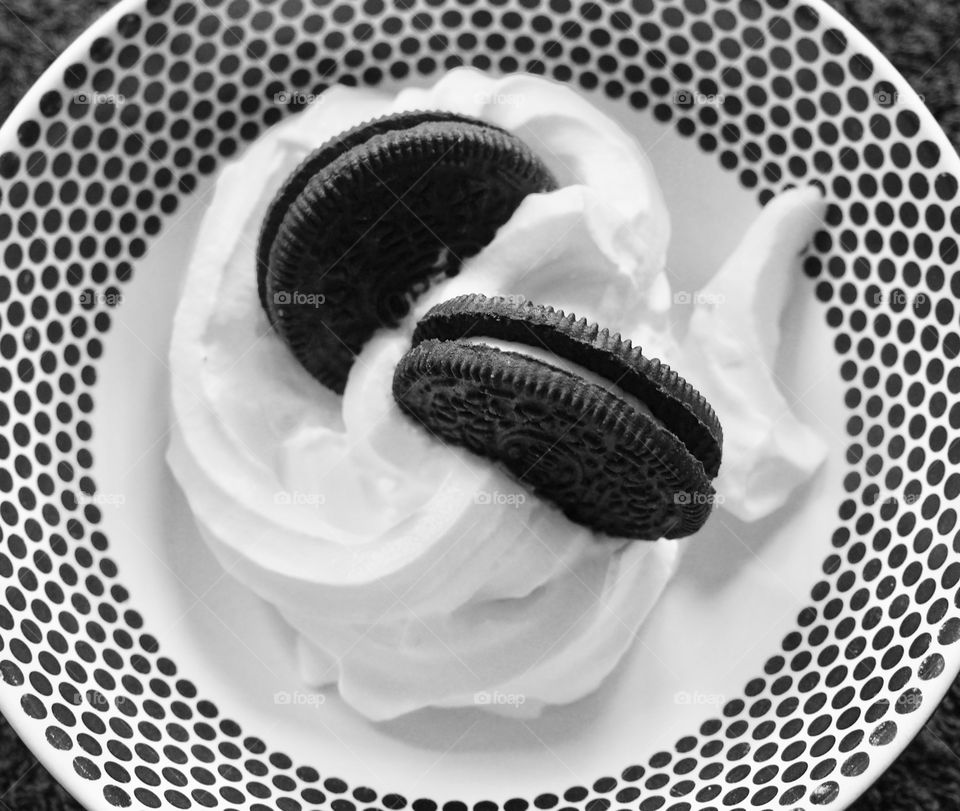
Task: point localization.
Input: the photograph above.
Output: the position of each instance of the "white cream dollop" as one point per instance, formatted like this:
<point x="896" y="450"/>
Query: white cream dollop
<point x="416" y="574"/>
<point x="730" y="349"/>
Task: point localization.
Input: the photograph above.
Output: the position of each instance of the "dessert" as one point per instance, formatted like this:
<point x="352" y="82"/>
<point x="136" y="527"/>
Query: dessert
<point x="414" y="572"/>
<point x="402" y="200"/>
<point x="591" y="424"/>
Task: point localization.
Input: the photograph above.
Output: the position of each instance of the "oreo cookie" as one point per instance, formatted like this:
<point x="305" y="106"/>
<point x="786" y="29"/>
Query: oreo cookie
<point x="620" y="442"/>
<point x="370" y="219"/>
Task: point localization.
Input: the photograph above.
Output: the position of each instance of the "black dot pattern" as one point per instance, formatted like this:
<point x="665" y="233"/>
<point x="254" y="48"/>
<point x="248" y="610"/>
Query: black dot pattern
<point x="87" y="186"/>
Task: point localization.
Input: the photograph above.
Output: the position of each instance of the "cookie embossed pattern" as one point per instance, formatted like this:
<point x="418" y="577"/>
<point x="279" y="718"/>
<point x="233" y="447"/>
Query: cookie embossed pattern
<point x="125" y="720"/>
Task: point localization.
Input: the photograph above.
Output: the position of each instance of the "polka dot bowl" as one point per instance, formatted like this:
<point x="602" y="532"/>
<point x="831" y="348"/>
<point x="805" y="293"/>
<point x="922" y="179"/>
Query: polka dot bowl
<point x="144" y="678"/>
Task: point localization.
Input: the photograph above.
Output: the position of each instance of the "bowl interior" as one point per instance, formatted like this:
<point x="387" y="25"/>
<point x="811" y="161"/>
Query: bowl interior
<point x="738" y="589"/>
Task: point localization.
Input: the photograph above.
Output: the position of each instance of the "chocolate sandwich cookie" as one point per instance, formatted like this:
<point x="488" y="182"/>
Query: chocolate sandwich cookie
<point x="371" y="218"/>
<point x="620" y="442"/>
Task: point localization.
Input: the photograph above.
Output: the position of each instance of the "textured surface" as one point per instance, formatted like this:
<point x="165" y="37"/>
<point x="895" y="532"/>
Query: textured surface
<point x="312" y="164"/>
<point x="919" y="41"/>
<point x="605" y="465"/>
<point x="374" y="227"/>
<point x="671" y="399"/>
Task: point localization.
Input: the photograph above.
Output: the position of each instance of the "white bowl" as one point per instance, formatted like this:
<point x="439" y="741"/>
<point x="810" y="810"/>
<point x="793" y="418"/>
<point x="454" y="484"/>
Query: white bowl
<point x="786" y="666"/>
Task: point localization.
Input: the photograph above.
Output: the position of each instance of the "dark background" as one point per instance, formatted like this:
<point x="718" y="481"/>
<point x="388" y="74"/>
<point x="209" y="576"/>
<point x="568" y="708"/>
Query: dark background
<point x="921" y="37"/>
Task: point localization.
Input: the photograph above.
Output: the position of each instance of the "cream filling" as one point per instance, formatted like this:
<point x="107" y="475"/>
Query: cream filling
<point x="544" y="355"/>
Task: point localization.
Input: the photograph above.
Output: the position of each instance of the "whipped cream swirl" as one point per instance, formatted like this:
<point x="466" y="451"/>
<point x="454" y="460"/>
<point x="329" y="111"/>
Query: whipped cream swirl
<point x="416" y="574"/>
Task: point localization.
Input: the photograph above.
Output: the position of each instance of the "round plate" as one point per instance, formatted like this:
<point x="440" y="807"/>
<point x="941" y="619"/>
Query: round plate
<point x="788" y="662"/>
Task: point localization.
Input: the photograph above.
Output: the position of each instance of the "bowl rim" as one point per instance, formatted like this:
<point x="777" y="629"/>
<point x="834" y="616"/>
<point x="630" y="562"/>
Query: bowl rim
<point x="59" y="763"/>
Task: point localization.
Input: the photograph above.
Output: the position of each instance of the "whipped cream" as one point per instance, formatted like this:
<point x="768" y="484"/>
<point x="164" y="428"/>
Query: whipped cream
<point x="414" y="573"/>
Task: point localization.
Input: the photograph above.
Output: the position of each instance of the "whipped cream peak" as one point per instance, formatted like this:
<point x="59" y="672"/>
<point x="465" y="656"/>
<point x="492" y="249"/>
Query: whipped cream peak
<point x="731" y="345"/>
<point x="565" y="131"/>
